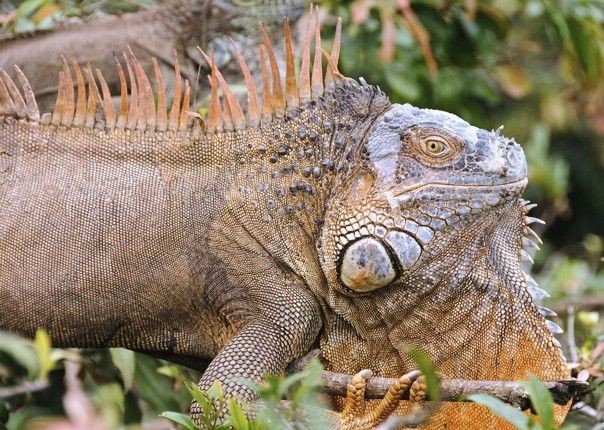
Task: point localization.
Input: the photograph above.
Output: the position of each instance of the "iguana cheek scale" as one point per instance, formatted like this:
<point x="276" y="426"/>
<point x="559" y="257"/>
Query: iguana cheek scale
<point x="324" y="213"/>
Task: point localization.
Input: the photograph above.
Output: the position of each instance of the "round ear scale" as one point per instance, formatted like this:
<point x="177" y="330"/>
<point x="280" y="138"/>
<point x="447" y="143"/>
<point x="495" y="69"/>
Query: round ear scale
<point x="366" y="265"/>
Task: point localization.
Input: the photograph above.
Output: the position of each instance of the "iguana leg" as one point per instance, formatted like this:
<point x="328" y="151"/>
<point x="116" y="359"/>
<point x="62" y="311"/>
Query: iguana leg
<point x="265" y="346"/>
<point x="354" y="406"/>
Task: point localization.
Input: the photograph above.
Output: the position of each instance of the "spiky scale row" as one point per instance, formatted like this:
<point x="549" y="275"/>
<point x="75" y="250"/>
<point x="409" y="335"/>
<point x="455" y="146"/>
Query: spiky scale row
<point x="525" y="256"/>
<point x="278" y="98"/>
<point x="253" y="118"/>
<point x="11" y="101"/>
<point x="291" y="88"/>
<point x="546" y="312"/>
<point x="93" y="114"/>
<point x="332" y="70"/>
<point x="92" y="106"/>
<point x="532" y="287"/>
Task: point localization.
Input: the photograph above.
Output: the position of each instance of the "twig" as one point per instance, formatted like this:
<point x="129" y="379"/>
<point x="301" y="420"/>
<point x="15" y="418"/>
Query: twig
<point x="585" y="303"/>
<point x="26" y="387"/>
<point x="511" y="392"/>
<point x="420" y="34"/>
<point x="570" y="330"/>
<point x="585" y="409"/>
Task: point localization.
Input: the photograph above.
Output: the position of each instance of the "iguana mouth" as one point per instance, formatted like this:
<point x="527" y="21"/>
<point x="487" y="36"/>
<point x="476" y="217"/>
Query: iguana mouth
<point x="403" y="192"/>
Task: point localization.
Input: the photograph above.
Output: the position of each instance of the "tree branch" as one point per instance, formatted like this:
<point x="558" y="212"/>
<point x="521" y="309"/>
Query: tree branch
<point x="23" y="388"/>
<point x="511" y="392"/>
<point x="585" y="303"/>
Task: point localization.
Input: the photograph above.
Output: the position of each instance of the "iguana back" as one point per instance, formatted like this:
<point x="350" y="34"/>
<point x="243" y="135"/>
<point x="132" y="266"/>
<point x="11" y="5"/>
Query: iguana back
<point x="325" y="215"/>
<point x="81" y="207"/>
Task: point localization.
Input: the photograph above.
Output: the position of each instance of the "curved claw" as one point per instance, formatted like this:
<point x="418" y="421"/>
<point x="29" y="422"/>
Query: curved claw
<point x="355" y="394"/>
<point x="353" y="415"/>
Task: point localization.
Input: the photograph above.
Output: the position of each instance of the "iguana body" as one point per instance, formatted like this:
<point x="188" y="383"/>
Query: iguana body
<point x="171" y="27"/>
<point x="329" y="216"/>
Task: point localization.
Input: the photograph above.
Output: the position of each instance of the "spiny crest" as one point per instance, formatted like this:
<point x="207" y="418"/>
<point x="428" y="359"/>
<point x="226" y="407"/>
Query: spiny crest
<point x="530" y="242"/>
<point x="12" y="102"/>
<point x="91" y="103"/>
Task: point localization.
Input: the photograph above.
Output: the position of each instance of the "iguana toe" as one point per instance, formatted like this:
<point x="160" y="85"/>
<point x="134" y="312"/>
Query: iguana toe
<point x="418" y="391"/>
<point x="353" y="415"/>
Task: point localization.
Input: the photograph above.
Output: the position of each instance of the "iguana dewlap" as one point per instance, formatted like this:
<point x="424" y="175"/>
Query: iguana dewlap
<point x="323" y="214"/>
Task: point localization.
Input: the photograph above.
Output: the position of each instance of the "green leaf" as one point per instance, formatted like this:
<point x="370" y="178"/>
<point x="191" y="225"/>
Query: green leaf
<point x="237" y="417"/>
<point x="28" y="7"/>
<point x="305" y="391"/>
<point x="404" y="85"/>
<point x="21" y="351"/>
<point x="109" y="399"/>
<point x="156" y="389"/>
<point x="510" y="414"/>
<point x="211" y="402"/>
<point x="215" y="392"/>
<point x="124" y="360"/>
<point x="427" y="368"/>
<point x="181" y="419"/>
<point x="172" y="371"/>
<point x="585" y="40"/>
<point x="285" y="386"/>
<point x="198" y="395"/>
<point x="542" y="402"/>
<point x="43" y="351"/>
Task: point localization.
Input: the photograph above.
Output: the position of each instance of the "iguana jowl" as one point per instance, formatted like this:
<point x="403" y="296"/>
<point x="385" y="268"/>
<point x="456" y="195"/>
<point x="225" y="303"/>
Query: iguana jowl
<point x="326" y="215"/>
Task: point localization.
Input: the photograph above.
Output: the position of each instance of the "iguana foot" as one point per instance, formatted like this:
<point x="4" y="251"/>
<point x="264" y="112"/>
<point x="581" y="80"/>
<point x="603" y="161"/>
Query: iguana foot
<point x="353" y="416"/>
<point x="418" y="390"/>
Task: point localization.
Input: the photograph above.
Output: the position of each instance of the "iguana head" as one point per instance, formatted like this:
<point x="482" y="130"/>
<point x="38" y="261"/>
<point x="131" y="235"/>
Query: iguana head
<point x="424" y="175"/>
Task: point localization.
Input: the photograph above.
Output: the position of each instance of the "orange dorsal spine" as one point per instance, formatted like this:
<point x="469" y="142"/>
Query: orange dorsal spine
<point x="144" y="107"/>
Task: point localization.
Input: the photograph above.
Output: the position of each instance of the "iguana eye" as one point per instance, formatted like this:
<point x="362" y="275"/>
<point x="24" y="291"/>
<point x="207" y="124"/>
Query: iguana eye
<point x="435" y="145"/>
<point x="432" y="145"/>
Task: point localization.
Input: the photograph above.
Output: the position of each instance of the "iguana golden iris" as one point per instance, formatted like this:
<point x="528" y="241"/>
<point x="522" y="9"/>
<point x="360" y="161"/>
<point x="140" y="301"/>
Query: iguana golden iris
<point x="325" y="215"/>
<point x="173" y="26"/>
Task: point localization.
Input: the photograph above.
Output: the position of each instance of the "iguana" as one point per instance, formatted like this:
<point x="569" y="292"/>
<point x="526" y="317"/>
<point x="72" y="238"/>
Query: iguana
<point x="174" y="26"/>
<point x="326" y="215"/>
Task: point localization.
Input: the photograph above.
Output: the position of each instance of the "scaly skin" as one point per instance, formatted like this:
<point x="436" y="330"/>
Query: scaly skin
<point x="346" y="220"/>
<point x="173" y="26"/>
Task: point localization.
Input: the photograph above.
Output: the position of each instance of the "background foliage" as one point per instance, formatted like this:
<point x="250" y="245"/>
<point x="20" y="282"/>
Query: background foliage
<point x="536" y="66"/>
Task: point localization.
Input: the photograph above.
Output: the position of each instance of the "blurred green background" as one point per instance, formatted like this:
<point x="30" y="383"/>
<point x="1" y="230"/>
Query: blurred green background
<point x="535" y="66"/>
